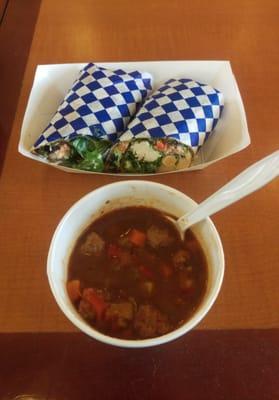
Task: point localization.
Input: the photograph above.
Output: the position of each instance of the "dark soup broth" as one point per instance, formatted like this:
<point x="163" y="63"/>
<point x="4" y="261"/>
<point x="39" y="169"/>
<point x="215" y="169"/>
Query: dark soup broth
<point x="132" y="277"/>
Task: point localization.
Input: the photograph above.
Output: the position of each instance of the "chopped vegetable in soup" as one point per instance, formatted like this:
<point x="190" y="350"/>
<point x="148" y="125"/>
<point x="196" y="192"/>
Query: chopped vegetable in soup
<point x="132" y="277"/>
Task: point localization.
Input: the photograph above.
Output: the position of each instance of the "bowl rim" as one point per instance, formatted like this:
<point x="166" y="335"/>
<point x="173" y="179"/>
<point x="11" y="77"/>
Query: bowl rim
<point x="72" y="315"/>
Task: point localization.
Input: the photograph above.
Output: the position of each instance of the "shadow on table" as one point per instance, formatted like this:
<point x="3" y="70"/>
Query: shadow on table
<point x="203" y="365"/>
<point x="18" y="20"/>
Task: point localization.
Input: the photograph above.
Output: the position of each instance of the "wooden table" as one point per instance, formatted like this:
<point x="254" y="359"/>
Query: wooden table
<point x="233" y="353"/>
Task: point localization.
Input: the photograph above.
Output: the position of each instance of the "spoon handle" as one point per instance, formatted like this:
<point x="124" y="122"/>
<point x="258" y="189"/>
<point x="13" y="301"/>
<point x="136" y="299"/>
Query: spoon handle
<point x="251" y="179"/>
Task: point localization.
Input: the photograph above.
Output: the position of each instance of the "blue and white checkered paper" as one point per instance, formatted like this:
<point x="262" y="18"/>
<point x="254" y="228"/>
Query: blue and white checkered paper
<point x="101" y="103"/>
<point x="181" y="109"/>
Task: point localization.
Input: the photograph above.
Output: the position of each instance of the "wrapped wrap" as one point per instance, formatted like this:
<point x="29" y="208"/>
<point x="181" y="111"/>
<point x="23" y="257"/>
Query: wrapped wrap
<point x="169" y="128"/>
<point x="100" y="104"/>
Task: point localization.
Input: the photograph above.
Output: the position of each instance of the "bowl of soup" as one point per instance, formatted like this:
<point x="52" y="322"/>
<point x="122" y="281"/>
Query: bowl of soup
<point x="120" y="272"/>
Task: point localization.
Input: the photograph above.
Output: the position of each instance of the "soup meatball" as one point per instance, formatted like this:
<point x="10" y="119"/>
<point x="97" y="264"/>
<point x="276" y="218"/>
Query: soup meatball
<point x="131" y="276"/>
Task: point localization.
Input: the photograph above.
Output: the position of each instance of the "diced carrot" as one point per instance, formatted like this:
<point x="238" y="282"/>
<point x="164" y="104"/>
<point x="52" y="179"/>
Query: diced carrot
<point x="73" y="288"/>
<point x="113" y="251"/>
<point x="166" y="271"/>
<point x="96" y="301"/>
<point x="146" y="272"/>
<point x="137" y="237"/>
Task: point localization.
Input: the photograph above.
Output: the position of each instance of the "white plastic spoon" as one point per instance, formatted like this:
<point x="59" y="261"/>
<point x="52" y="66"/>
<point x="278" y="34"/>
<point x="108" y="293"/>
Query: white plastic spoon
<point x="248" y="181"/>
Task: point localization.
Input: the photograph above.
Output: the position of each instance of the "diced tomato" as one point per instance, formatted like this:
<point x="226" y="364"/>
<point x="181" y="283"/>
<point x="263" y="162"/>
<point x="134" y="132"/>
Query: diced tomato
<point x="113" y="251"/>
<point x="160" y="145"/>
<point x="73" y="288"/>
<point x="96" y="301"/>
<point x="146" y="272"/>
<point x="137" y="237"/>
<point x="166" y="271"/>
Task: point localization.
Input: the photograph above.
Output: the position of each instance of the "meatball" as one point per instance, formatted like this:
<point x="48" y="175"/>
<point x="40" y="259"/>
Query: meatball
<point x="93" y="245"/>
<point x="120" y="314"/>
<point x="181" y="258"/>
<point x="150" y="322"/>
<point x="158" y="237"/>
<point x="86" y="310"/>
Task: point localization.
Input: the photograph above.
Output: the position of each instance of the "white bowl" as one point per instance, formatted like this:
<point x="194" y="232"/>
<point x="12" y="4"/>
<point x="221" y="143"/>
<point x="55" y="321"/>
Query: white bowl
<point x="122" y="194"/>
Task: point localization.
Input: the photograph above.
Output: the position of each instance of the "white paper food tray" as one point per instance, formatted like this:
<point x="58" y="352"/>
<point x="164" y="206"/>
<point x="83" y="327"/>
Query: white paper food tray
<point x="52" y="82"/>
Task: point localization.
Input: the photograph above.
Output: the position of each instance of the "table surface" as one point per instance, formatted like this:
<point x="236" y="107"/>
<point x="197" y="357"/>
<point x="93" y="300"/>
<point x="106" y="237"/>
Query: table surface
<point x="34" y="197"/>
